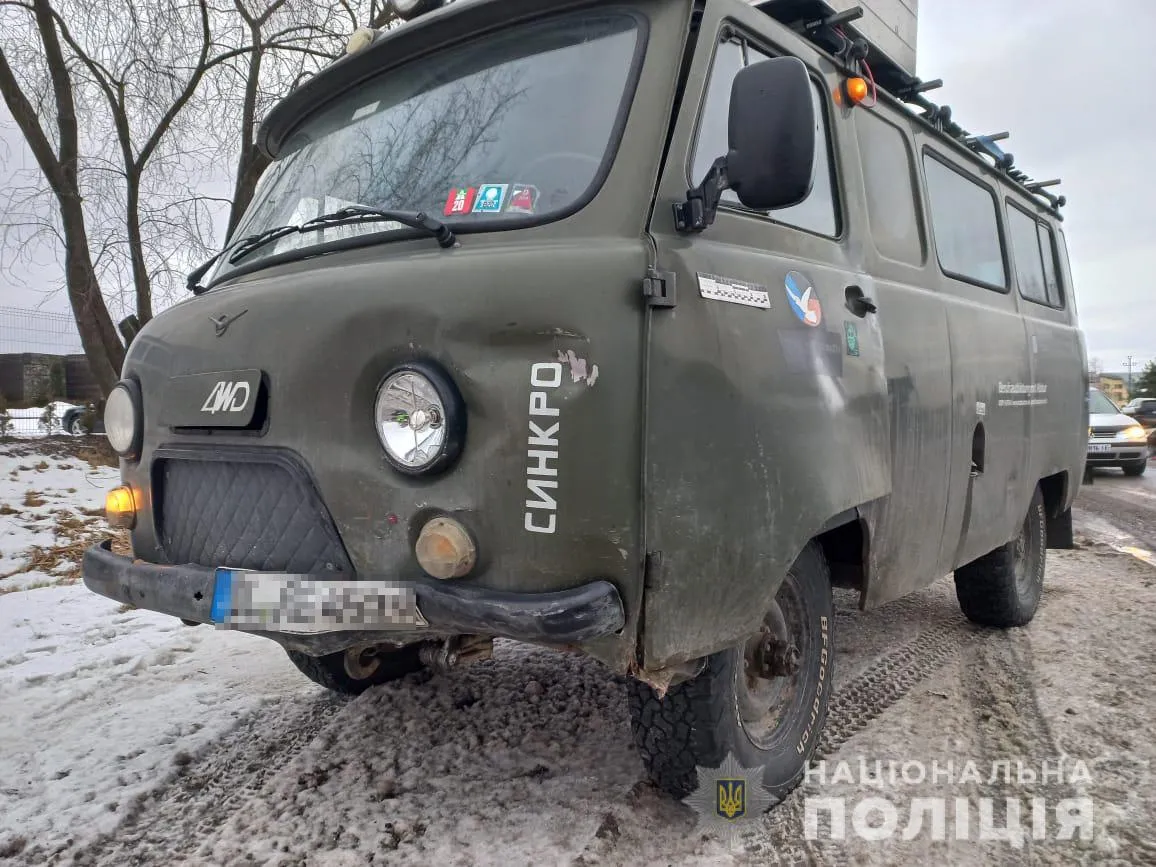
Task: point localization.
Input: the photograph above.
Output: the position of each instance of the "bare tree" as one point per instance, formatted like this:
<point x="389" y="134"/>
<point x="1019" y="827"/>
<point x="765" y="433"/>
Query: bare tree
<point x="134" y="89"/>
<point x="288" y="40"/>
<point x="142" y="95"/>
<point x="59" y="162"/>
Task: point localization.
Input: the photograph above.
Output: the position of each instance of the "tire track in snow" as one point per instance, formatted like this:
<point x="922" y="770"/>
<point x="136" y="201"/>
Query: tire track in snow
<point x="207" y="789"/>
<point x="861" y="700"/>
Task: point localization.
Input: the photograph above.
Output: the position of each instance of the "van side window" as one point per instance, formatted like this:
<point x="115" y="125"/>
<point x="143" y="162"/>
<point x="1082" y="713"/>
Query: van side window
<point x="816" y="213"/>
<point x="1025" y="243"/>
<point x="888" y="173"/>
<point x="1051" y="269"/>
<point x="964" y="225"/>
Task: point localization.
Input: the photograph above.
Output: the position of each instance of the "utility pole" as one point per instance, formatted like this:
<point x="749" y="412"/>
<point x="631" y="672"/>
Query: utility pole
<point x="1130" y="363"/>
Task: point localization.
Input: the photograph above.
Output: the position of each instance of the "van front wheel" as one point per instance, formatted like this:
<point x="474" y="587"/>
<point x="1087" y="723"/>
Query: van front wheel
<point x="763" y="702"/>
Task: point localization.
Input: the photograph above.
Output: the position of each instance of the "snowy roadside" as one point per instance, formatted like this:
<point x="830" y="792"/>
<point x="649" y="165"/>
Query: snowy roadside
<point x="98" y="705"/>
<point x="129" y="738"/>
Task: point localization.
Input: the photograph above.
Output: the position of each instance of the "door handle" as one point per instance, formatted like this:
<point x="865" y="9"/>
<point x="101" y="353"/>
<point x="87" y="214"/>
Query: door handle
<point x="858" y="303"/>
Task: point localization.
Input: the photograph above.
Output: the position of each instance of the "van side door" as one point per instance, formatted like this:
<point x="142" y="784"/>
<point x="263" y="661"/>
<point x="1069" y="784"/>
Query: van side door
<point x="766" y="402"/>
<point x="906" y="526"/>
<point x="991" y="374"/>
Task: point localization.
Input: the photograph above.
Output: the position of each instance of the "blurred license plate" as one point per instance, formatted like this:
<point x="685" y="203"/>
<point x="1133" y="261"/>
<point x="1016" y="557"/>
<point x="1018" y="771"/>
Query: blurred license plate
<point x="1098" y="448"/>
<point x="280" y="602"/>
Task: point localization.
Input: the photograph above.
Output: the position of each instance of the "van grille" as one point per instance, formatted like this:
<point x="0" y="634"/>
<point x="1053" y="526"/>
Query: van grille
<point x="245" y="515"/>
<point x="1108" y="432"/>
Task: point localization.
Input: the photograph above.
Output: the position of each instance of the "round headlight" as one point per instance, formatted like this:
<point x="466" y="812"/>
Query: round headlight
<point x="420" y="419"/>
<point x="122" y="418"/>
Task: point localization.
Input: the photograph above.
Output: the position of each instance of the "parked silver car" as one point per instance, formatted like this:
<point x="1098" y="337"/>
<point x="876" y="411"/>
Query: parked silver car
<point x="1114" y="439"/>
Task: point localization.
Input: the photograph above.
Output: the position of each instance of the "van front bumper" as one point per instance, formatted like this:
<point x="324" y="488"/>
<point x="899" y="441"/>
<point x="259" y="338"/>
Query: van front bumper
<point x="410" y="608"/>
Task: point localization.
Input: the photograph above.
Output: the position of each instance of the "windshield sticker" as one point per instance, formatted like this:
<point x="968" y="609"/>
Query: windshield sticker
<point x="523" y="199"/>
<point x="460" y="201"/>
<point x="801" y="296"/>
<point x="491" y="198"/>
<point x="365" y="110"/>
<point x="735" y="291"/>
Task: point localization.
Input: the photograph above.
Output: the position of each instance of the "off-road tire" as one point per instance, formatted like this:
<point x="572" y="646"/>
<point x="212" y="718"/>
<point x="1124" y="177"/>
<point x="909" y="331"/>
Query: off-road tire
<point x="330" y="672"/>
<point x="696" y="724"/>
<point x="987" y="588"/>
<point x="1136" y="468"/>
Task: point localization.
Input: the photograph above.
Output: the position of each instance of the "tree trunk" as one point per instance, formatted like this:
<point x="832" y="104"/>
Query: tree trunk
<point x="102" y="346"/>
<point x="140" y="275"/>
<point x="97" y="334"/>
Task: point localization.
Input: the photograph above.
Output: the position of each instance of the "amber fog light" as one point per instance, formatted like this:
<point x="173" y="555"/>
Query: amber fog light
<point x="445" y="549"/>
<point x="120" y="508"/>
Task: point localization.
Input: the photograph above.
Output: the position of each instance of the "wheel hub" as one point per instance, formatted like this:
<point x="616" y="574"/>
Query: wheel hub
<point x="774" y="657"/>
<point x="772" y="663"/>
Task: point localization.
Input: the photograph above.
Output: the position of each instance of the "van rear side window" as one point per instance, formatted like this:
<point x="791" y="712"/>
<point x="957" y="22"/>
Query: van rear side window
<point x="1051" y="268"/>
<point x="1033" y="246"/>
<point x="1025" y="243"/>
<point x="964" y="225"/>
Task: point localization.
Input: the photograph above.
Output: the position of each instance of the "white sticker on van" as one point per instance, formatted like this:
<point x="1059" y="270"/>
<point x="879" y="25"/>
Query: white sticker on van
<point x="1022" y="394"/>
<point x="734" y="291"/>
<point x="541" y="514"/>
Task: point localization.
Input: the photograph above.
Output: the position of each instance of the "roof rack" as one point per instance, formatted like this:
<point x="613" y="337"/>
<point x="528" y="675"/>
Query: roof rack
<point x="831" y="32"/>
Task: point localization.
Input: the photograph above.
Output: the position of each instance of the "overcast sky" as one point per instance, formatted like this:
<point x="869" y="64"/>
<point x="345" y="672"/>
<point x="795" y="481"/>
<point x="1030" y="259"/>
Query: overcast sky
<point x="1069" y="79"/>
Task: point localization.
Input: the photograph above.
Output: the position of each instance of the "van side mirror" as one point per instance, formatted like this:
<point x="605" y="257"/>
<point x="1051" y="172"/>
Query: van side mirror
<point x="770" y="159"/>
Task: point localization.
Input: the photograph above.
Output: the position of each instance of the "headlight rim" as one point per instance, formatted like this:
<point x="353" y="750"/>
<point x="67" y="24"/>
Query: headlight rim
<point x="132" y="388"/>
<point x="454" y="410"/>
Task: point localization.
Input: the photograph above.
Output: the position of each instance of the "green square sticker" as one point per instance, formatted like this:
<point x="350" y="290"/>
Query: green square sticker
<point x="852" y="338"/>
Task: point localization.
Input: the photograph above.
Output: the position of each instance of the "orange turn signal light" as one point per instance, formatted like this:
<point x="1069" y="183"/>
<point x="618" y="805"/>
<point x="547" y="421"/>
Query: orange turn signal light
<point x="856" y="90"/>
<point x="120" y="508"/>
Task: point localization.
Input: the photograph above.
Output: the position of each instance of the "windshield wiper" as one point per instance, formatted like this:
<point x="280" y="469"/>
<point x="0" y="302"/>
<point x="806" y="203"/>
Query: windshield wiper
<point x="240" y="247"/>
<point x="353" y="214"/>
<point x="358" y="214"/>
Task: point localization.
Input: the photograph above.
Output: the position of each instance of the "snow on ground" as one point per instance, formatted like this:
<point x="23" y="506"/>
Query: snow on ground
<point x="121" y="692"/>
<point x="48" y="498"/>
<point x="100" y="706"/>
<point x="126" y="737"/>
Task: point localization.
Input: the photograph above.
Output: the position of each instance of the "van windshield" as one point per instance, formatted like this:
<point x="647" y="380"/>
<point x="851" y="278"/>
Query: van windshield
<point x="510" y="128"/>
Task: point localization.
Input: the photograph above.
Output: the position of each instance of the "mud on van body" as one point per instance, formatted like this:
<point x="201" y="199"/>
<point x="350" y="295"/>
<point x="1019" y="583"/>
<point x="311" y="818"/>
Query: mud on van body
<point x="630" y="327"/>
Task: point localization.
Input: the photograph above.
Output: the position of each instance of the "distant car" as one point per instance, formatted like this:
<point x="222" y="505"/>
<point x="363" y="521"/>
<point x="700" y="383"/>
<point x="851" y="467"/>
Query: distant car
<point x="73" y="421"/>
<point x="1115" y="439"/>
<point x="1142" y="409"/>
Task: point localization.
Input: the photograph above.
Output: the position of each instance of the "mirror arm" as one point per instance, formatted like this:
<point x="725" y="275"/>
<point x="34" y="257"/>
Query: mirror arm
<point x="701" y="204"/>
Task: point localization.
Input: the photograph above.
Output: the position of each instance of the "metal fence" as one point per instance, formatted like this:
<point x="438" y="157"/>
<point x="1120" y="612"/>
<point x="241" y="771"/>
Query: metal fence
<point x="41" y="362"/>
<point x="38" y="331"/>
